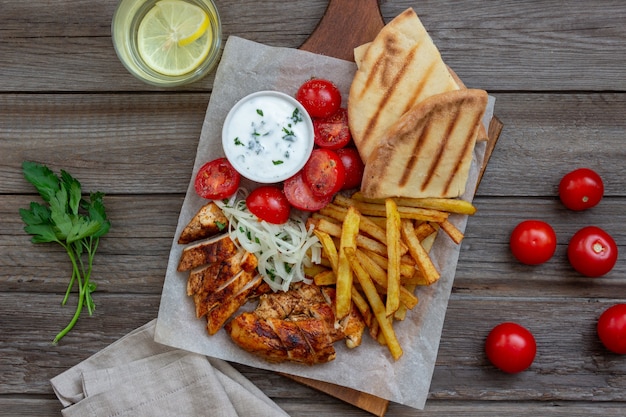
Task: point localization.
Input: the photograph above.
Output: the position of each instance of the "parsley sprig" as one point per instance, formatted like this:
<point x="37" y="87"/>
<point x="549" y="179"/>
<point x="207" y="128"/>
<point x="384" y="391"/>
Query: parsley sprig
<point x="71" y="220"/>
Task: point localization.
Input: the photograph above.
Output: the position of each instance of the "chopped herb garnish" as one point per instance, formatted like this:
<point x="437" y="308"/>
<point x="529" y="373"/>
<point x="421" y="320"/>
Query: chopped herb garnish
<point x="238" y="142"/>
<point x="296" y="116"/>
<point x="259" y="112"/>
<point x="271" y="273"/>
<point x="277" y="162"/>
<point x="220" y="225"/>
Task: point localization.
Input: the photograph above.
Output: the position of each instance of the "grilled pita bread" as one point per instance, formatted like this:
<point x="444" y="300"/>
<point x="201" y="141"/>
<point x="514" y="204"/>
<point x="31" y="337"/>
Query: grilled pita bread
<point x="428" y="152"/>
<point x="401" y="67"/>
<point x="359" y="53"/>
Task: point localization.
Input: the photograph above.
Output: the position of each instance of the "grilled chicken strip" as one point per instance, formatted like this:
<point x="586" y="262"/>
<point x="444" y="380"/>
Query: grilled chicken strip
<point x="204" y="252"/>
<point x="211" y="284"/>
<point x="208" y="221"/>
<point x="298" y="325"/>
<point x="229" y="304"/>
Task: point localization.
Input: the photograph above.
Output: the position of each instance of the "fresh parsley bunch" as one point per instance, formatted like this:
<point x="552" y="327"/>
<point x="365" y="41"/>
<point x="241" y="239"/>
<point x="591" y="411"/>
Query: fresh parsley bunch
<point x="71" y="220"/>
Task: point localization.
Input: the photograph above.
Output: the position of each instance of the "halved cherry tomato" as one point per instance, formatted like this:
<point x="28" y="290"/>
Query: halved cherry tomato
<point x="300" y="195"/>
<point x="612" y="328"/>
<point x="533" y="242"/>
<point x="581" y="189"/>
<point x="269" y="203"/>
<point x="510" y="347"/>
<point x="592" y="251"/>
<point x="332" y="132"/>
<point x="217" y="179"/>
<point x="324" y="172"/>
<point x="353" y="165"/>
<point x="320" y="97"/>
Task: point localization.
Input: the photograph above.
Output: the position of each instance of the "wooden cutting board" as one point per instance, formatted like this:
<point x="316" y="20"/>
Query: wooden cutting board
<point x="345" y="25"/>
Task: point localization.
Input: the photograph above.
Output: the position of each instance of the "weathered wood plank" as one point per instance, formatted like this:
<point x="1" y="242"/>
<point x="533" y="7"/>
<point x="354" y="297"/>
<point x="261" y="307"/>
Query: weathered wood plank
<point x="571" y="363"/>
<point x="578" y="47"/>
<point x="133" y="257"/>
<point x="111" y="143"/>
<point x="151" y="140"/>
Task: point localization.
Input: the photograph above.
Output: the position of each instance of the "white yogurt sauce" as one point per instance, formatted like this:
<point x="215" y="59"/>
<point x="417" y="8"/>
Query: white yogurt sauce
<point x="267" y="136"/>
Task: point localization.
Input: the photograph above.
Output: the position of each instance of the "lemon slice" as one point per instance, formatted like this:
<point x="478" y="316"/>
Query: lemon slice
<point x="173" y="37"/>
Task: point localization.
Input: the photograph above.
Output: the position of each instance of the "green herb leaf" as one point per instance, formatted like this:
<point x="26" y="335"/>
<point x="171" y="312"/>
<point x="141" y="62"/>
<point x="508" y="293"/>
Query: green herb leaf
<point x="74" y="222"/>
<point x="44" y="180"/>
<point x="73" y="188"/>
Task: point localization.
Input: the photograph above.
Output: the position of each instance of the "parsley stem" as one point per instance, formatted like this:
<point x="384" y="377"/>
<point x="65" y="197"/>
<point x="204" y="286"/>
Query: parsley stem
<point x="72" y="322"/>
<point x="75" y="276"/>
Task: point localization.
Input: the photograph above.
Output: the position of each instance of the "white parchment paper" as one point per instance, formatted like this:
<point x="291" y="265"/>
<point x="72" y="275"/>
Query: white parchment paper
<point x="247" y="67"/>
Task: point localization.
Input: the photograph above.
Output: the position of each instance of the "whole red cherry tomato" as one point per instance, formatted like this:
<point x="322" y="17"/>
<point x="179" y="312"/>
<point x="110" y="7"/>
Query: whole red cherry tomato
<point x="353" y="165"/>
<point x="581" y="189"/>
<point x="592" y="251"/>
<point x="300" y="195"/>
<point x="332" y="132"/>
<point x="533" y="242"/>
<point x="269" y="203"/>
<point x="612" y="328"/>
<point x="510" y="347"/>
<point x="320" y="98"/>
<point x="217" y="179"/>
<point x="324" y="172"/>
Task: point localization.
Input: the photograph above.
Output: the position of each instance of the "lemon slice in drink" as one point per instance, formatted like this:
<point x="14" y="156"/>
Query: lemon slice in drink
<point x="173" y="38"/>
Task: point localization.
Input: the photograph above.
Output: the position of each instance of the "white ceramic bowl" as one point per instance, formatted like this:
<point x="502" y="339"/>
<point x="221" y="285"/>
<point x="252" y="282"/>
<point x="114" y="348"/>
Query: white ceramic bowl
<point x="267" y="136"/>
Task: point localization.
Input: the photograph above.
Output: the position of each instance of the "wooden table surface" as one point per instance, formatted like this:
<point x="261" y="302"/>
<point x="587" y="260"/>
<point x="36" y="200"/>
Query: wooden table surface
<point x="558" y="71"/>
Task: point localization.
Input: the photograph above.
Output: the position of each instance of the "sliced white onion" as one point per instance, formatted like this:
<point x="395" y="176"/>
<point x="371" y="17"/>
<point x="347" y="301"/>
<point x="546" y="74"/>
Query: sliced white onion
<point x="282" y="250"/>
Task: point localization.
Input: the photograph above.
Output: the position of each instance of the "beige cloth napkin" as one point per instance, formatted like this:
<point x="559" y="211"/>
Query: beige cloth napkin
<point x="135" y="376"/>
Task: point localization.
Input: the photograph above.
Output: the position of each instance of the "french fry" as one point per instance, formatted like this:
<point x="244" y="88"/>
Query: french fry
<point x="423" y="230"/>
<point x="334" y="230"/>
<point x="393" y="255"/>
<point x="407" y="298"/>
<point x="325" y="278"/>
<point x="379" y="277"/>
<point x="378" y="221"/>
<point x="406" y="269"/>
<point x="373" y="209"/>
<point x="400" y="314"/>
<point x="428" y="241"/>
<point x="376" y="252"/>
<point x="450" y="205"/>
<point x="376" y="303"/>
<point x="363" y="307"/>
<point x="366" y="225"/>
<point x="451" y="230"/>
<point x="349" y="232"/>
<point x="417" y="251"/>
<point x="377" y="272"/>
<point x="329" y="248"/>
<point x="312" y="270"/>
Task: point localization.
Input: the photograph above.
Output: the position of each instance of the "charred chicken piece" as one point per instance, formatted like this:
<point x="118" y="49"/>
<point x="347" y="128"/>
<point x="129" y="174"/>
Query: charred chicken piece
<point x="203" y="252"/>
<point x="208" y="221"/>
<point x="298" y="325"/>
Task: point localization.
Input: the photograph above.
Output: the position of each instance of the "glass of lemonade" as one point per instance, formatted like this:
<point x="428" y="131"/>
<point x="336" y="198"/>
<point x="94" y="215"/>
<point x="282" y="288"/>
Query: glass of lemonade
<point x="167" y="42"/>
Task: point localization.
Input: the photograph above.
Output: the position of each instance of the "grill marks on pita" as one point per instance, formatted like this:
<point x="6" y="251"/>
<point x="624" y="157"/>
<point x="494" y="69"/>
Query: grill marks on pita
<point x="428" y="152"/>
<point x="398" y="74"/>
<point x="398" y="69"/>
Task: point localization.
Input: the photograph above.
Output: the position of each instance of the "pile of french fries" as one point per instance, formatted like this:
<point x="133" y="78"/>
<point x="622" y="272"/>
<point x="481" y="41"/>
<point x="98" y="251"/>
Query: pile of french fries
<point x="376" y="253"/>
